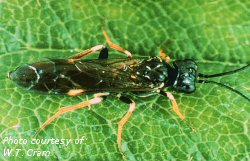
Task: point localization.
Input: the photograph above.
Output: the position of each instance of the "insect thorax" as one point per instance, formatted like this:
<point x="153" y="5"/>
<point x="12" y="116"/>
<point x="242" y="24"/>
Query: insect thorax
<point x="154" y="71"/>
<point x="186" y="75"/>
<point x="181" y="76"/>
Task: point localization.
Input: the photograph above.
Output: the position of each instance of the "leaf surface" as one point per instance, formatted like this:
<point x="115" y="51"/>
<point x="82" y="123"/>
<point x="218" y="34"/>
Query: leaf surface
<point x="214" y="33"/>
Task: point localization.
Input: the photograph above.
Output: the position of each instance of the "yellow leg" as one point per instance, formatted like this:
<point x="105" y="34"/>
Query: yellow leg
<point x="97" y="99"/>
<point x="88" y="51"/>
<point x="165" y="56"/>
<point x="175" y="105"/>
<point x="115" y="46"/>
<point x="123" y="122"/>
<point x="100" y="47"/>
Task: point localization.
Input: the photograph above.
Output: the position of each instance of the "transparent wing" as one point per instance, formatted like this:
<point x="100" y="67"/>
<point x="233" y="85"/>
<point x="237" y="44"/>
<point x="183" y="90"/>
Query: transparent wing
<point x="108" y="75"/>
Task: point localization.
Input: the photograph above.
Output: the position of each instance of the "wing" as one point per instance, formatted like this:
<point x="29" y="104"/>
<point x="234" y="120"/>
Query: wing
<point x="109" y="75"/>
<point x="112" y="75"/>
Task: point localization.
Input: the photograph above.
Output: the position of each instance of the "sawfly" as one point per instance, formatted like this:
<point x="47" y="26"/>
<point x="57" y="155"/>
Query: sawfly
<point x="103" y="76"/>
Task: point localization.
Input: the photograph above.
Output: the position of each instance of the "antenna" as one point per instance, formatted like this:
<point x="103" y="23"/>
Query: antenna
<point x="225" y="86"/>
<point x="222" y="84"/>
<point x="224" y="73"/>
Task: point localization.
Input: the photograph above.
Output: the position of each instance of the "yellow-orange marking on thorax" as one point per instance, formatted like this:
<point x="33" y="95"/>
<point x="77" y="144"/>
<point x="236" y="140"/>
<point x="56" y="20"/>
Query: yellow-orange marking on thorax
<point x="75" y="92"/>
<point x="71" y="61"/>
<point x="165" y="56"/>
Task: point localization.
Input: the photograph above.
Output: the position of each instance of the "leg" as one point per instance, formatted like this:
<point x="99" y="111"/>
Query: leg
<point x="104" y="54"/>
<point x="88" y="51"/>
<point x="97" y="99"/>
<point x="115" y="46"/>
<point x="164" y="55"/>
<point x="174" y="104"/>
<point x="124" y="119"/>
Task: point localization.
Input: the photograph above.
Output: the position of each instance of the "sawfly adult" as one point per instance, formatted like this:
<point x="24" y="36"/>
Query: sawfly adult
<point x="103" y="76"/>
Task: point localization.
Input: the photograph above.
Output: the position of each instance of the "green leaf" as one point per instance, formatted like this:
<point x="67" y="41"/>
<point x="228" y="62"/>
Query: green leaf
<point x="214" y="33"/>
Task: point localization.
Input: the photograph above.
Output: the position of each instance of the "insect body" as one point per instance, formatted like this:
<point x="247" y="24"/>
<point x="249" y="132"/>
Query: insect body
<point x="60" y="76"/>
<point x="75" y="76"/>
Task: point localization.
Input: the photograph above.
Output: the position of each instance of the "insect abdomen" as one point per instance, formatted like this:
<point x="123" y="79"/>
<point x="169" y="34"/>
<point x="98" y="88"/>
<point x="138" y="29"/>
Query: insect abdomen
<point x="52" y="76"/>
<point x="59" y="76"/>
